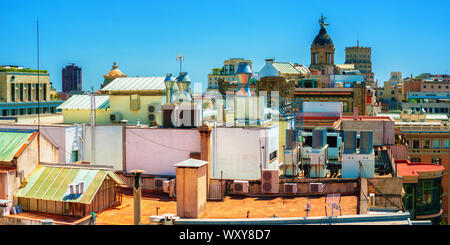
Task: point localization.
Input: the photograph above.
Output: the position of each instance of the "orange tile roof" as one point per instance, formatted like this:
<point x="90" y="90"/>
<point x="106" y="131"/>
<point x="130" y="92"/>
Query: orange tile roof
<point x="407" y="168"/>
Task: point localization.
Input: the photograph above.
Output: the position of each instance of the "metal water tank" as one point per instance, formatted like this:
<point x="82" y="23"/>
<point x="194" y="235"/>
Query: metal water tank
<point x="366" y="142"/>
<point x="291" y="138"/>
<point x="319" y="138"/>
<point x="349" y="142"/>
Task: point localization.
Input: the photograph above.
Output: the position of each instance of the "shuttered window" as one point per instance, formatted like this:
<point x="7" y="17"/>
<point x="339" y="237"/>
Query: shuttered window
<point x="134" y="102"/>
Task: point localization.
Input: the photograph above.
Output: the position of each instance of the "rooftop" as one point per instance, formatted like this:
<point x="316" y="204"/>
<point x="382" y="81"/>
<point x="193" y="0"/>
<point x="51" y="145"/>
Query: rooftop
<point x="20" y="69"/>
<point x="411" y="172"/>
<point x="231" y="207"/>
<point x="52" y="183"/>
<point x="285" y="67"/>
<point x="191" y="163"/>
<point x="13" y="142"/>
<point x="136" y="84"/>
<point x="368" y="118"/>
<point x="83" y="102"/>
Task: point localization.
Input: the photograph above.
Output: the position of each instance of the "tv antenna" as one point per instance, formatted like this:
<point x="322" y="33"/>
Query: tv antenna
<point x="38" y="94"/>
<point x="180" y="58"/>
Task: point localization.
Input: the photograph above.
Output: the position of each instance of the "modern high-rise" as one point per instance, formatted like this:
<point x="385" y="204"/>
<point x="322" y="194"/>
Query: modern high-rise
<point x="361" y="58"/>
<point x="71" y="78"/>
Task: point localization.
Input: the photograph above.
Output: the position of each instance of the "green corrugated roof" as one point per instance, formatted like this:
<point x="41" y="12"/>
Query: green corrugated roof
<point x="83" y="102"/>
<point x="52" y="183"/>
<point x="11" y="142"/>
<point x="285" y="67"/>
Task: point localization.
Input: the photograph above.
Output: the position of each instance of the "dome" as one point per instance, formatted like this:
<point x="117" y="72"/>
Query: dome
<point x="322" y="38"/>
<point x="114" y="73"/>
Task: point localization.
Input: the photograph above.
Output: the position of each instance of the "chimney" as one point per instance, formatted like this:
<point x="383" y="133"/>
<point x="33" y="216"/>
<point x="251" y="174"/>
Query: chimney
<point x="269" y="61"/>
<point x="244" y="74"/>
<point x="137" y="194"/>
<point x="355" y="113"/>
<point x="169" y="81"/>
<point x="191" y="188"/>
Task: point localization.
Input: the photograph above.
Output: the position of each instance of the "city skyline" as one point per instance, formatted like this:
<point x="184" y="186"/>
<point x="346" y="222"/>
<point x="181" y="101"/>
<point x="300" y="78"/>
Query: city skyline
<point x="145" y="42"/>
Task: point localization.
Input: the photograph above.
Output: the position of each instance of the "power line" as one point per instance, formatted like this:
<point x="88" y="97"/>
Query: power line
<point x="156" y="143"/>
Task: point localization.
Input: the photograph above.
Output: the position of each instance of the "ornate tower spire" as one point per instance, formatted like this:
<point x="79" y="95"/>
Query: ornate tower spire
<point x="322" y="22"/>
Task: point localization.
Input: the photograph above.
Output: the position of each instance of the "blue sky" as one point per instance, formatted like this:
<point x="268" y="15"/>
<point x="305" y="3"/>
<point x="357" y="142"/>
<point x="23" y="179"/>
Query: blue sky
<point x="145" y="36"/>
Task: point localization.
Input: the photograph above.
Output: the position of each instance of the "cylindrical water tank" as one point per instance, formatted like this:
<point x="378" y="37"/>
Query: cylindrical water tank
<point x="319" y="138"/>
<point x="366" y="146"/>
<point x="349" y="142"/>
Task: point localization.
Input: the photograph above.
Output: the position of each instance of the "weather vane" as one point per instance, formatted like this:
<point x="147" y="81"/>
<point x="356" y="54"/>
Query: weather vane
<point x="322" y="21"/>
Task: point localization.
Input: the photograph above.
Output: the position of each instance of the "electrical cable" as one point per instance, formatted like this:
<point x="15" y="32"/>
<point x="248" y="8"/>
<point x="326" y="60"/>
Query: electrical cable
<point x="156" y="143"/>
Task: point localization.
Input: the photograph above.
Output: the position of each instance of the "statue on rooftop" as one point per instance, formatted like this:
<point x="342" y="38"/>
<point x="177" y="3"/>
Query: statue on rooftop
<point x="322" y="22"/>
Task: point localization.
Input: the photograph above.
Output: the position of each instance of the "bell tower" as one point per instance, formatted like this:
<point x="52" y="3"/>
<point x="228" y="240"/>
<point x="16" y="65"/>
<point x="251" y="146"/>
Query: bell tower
<point x="322" y="50"/>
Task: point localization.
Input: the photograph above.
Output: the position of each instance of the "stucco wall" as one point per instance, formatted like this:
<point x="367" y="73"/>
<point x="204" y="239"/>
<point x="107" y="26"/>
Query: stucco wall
<point x="84" y="116"/>
<point x="383" y="131"/>
<point x="157" y="150"/>
<point x="62" y="136"/>
<point x="238" y="152"/>
<point x="121" y="104"/>
<point x="105" y="148"/>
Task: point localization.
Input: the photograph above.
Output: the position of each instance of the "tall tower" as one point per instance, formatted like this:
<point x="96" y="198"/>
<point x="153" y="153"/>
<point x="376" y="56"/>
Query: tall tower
<point x="322" y="50"/>
<point x="361" y="58"/>
<point x="71" y="78"/>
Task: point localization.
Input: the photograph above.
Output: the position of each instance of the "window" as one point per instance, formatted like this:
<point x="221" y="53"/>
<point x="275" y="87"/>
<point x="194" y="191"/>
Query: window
<point x="446" y="144"/>
<point x="308" y="141"/>
<point x="428" y="196"/>
<point x="74" y="156"/>
<point x="415" y="144"/>
<point x="424" y="86"/>
<point x="436" y="160"/>
<point x="332" y="141"/>
<point x="415" y="159"/>
<point x="436" y="144"/>
<point x="134" y="102"/>
<point x="426" y="144"/>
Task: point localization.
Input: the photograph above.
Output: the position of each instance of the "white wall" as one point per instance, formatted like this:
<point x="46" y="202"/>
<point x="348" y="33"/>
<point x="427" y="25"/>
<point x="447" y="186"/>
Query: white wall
<point x="237" y="152"/>
<point x="351" y="167"/>
<point x="157" y="150"/>
<point x="107" y="146"/>
<point x="62" y="136"/>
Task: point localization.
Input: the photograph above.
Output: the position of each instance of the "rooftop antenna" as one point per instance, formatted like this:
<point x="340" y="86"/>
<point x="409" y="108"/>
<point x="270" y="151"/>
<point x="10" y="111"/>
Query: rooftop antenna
<point x="180" y="58"/>
<point x="38" y="94"/>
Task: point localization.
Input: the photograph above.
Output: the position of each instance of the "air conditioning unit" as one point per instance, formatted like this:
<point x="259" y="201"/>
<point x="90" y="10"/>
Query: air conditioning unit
<point x="166" y="184"/>
<point x="152" y="109"/>
<point x="270" y="181"/>
<point x="316" y="187"/>
<point x="115" y="117"/>
<point x="159" y="184"/>
<point x="290" y="188"/>
<point x="240" y="186"/>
